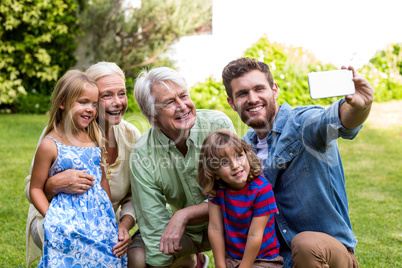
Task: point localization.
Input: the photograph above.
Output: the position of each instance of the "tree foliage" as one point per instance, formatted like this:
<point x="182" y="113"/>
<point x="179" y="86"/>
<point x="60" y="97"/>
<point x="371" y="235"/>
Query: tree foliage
<point x="210" y="94"/>
<point x="289" y="67"/>
<point x="384" y="72"/>
<point x="37" y="45"/>
<point x="138" y="38"/>
<point x="39" y="38"/>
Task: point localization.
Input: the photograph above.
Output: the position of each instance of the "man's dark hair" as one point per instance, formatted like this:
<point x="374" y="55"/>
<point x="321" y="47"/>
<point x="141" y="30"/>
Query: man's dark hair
<point x="239" y="67"/>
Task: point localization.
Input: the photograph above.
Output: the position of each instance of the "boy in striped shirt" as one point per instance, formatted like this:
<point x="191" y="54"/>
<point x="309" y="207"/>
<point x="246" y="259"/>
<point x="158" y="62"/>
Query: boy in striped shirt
<point x="241" y="204"/>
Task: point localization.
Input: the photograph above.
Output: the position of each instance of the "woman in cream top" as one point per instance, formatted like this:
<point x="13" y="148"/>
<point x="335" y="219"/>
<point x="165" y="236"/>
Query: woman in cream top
<point x="120" y="137"/>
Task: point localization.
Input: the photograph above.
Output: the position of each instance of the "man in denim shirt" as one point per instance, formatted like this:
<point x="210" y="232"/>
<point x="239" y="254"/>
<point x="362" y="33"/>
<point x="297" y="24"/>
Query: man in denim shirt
<point x="298" y="150"/>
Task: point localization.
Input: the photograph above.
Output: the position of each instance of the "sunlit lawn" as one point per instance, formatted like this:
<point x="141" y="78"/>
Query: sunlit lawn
<point x="372" y="164"/>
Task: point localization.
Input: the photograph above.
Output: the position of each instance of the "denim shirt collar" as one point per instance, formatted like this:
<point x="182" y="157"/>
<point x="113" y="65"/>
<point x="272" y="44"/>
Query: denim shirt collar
<point x="281" y="117"/>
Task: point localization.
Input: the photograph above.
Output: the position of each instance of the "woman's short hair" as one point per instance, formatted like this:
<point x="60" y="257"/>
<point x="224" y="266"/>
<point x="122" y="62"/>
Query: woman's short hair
<point x="213" y="150"/>
<point x="103" y="68"/>
<point x="147" y="79"/>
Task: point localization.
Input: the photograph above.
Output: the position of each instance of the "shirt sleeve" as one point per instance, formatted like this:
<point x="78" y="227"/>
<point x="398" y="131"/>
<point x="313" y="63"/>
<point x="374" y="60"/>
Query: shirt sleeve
<point x="150" y="207"/>
<point x="214" y="200"/>
<point x="127" y="206"/>
<point x="264" y="203"/>
<point x="28" y="178"/>
<point x="128" y="136"/>
<point x="319" y="126"/>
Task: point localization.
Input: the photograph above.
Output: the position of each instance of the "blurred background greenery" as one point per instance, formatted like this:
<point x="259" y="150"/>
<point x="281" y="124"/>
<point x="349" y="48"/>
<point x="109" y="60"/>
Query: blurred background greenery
<point x="40" y="40"/>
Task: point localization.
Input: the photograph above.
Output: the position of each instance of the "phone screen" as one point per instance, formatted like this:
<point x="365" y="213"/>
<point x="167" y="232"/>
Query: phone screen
<point x="328" y="84"/>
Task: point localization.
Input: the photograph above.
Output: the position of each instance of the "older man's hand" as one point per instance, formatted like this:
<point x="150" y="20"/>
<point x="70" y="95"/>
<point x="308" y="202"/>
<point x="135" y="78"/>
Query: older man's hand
<point x="170" y="239"/>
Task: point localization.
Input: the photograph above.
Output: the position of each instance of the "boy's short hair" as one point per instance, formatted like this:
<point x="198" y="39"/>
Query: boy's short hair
<point x="213" y="149"/>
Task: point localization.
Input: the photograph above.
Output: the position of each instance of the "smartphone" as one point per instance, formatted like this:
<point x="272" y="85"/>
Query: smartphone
<point x="328" y="84"/>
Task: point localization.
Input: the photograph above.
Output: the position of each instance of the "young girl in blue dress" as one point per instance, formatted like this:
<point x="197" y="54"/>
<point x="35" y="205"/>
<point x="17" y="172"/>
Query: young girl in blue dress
<point x="241" y="204"/>
<point x="80" y="229"/>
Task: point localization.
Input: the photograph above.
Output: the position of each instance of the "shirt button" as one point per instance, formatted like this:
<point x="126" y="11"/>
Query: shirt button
<point x="291" y="154"/>
<point x="277" y="213"/>
<point x="284" y="231"/>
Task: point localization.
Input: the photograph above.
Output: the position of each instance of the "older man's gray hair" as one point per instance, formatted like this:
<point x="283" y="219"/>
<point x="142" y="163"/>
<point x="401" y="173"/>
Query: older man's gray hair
<point x="146" y="80"/>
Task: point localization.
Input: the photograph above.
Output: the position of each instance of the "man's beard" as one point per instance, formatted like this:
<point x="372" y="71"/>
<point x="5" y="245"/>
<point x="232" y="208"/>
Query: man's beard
<point x="261" y="123"/>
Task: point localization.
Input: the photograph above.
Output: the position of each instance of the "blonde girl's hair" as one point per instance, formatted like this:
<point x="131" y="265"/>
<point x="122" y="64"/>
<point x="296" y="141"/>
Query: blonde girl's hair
<point x="68" y="89"/>
<point x="213" y="150"/>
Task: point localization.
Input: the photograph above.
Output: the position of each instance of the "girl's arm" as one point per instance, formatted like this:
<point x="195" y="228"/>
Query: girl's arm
<point x="105" y="184"/>
<point x="70" y="181"/>
<point x="44" y="157"/>
<point x="216" y="234"/>
<point x="254" y="240"/>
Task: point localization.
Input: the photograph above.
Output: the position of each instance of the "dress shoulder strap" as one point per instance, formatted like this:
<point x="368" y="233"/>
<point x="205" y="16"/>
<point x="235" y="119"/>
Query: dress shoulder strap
<point x="51" y="138"/>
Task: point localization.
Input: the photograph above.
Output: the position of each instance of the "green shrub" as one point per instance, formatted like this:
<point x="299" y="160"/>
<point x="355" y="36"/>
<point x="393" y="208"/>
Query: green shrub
<point x="38" y="39"/>
<point x="39" y="103"/>
<point x="384" y="72"/>
<point x="389" y="59"/>
<point x="210" y="94"/>
<point x="33" y="103"/>
<point x="290" y="66"/>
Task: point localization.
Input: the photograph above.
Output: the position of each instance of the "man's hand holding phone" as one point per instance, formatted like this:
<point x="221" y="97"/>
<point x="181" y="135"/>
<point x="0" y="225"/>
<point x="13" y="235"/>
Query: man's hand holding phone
<point x="364" y="93"/>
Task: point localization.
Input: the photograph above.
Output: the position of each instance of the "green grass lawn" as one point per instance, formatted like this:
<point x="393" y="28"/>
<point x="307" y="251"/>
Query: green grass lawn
<point x="372" y="164"/>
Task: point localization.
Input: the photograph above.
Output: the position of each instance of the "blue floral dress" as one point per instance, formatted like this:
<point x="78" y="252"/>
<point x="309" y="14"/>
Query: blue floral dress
<point x="80" y="229"/>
